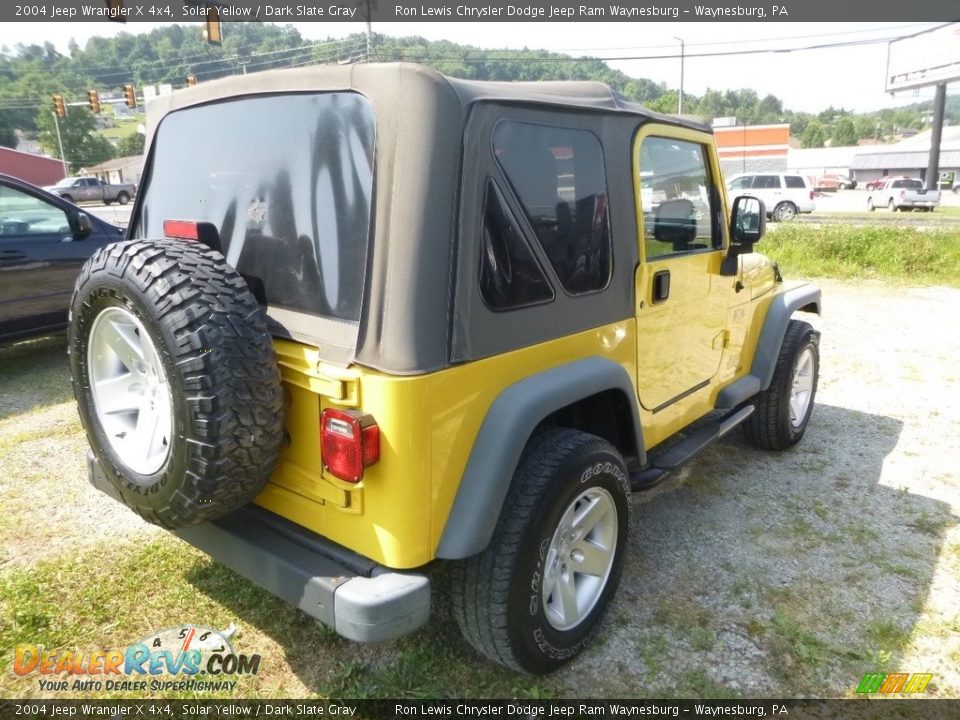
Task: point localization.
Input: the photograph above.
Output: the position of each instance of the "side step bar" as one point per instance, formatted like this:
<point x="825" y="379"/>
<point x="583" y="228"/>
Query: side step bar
<point x="664" y="464"/>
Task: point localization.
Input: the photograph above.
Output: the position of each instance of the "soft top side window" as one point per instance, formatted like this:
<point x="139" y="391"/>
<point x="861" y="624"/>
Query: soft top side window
<point x="510" y="276"/>
<point x="559" y="177"/>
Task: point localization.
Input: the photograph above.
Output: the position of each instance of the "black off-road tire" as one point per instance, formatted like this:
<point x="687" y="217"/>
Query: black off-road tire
<point x="497" y="595"/>
<point x="770" y="426"/>
<point x="211" y="337"/>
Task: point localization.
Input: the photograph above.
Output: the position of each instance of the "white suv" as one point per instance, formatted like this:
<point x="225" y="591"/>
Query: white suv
<point x="783" y="195"/>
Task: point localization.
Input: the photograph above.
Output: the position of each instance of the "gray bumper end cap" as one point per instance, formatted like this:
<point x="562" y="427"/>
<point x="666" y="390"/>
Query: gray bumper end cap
<point x="381" y="608"/>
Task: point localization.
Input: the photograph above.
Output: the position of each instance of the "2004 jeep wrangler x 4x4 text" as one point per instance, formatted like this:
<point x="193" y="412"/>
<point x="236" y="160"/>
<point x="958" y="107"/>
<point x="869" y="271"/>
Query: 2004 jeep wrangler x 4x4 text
<point x="369" y="319"/>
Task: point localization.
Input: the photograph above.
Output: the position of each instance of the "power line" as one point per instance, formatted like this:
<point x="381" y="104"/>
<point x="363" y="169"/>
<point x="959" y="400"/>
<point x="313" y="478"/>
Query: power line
<point x="718" y="43"/>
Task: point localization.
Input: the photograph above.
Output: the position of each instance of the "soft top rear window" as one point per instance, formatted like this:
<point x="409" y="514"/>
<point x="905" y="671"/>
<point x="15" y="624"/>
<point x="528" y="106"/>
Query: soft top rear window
<point x="288" y="182"/>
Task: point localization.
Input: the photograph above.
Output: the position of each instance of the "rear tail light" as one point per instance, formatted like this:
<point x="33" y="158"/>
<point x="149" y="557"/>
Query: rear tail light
<point x="903" y="194"/>
<point x="181" y="229"/>
<point x="349" y="442"/>
<point x="202" y="232"/>
<point x="811" y="194"/>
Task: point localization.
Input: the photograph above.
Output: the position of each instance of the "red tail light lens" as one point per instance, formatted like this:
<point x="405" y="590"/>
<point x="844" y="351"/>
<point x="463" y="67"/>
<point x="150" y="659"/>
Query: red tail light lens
<point x="181" y="229"/>
<point x="349" y="442"/>
<point x="811" y="194"/>
<point x="903" y="194"/>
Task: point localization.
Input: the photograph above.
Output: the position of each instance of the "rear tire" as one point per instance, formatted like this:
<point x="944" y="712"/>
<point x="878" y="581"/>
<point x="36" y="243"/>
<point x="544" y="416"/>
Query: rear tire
<point x="532" y="599"/>
<point x="123" y="198"/>
<point x="892" y="205"/>
<point x="176" y="379"/>
<point x="784" y="211"/>
<point x="783" y="410"/>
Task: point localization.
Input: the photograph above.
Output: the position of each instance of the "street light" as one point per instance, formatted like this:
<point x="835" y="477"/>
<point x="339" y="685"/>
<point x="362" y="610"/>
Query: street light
<point x="682" y="54"/>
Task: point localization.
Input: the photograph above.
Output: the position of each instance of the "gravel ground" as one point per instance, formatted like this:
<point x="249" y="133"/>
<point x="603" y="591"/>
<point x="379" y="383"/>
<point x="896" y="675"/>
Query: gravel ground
<point x="751" y="574"/>
<point x="763" y="574"/>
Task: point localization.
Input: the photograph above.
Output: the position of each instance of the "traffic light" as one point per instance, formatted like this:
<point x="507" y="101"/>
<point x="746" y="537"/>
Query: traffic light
<point x="191" y="80"/>
<point x="130" y="93"/>
<point x="212" y="33"/>
<point x="93" y="100"/>
<point x="59" y="107"/>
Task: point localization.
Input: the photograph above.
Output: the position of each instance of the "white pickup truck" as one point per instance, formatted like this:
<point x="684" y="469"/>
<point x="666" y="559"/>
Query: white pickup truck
<point x="91" y="189"/>
<point x="903" y="193"/>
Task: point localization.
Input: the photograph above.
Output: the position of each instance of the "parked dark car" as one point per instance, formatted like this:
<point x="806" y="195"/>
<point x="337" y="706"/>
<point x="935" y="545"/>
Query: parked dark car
<point x="44" y="241"/>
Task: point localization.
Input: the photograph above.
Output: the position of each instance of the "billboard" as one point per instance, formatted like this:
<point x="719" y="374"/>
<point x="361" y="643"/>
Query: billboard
<point x="927" y="58"/>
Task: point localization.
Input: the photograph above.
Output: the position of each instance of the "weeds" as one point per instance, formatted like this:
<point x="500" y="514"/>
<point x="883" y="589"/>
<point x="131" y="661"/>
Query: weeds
<point x="900" y="254"/>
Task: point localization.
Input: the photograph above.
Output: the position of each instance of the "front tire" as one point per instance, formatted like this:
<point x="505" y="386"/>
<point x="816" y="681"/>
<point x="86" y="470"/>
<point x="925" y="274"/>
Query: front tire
<point x="892" y="205"/>
<point x="532" y="599"/>
<point x="783" y="410"/>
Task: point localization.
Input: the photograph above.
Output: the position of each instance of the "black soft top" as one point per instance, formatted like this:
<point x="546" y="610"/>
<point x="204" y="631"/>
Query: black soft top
<point x="408" y="318"/>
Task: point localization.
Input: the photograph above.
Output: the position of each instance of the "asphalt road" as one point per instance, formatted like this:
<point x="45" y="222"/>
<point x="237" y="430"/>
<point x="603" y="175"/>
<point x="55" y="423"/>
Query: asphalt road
<point x="116" y="214"/>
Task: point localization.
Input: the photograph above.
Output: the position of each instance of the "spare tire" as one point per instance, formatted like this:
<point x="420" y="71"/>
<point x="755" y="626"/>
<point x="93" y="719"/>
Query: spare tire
<point x="176" y="379"/>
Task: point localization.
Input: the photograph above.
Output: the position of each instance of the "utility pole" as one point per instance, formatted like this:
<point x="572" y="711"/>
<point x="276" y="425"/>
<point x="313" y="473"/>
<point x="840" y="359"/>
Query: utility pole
<point x="682" y="58"/>
<point x="936" y="133"/>
<point x="56" y="124"/>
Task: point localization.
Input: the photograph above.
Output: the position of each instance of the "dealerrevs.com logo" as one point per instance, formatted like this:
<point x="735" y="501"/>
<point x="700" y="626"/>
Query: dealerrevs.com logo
<point x="184" y="658"/>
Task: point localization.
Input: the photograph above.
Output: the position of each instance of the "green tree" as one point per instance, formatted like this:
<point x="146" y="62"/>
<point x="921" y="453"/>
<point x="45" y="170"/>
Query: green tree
<point x="82" y="146"/>
<point x="130" y="145"/>
<point x="844" y="133"/>
<point x="814" y="136"/>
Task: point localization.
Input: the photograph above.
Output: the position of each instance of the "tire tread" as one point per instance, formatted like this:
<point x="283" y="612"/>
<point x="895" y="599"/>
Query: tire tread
<point x="223" y="353"/>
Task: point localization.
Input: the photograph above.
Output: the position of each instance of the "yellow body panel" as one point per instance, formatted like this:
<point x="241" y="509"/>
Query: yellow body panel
<point x="428" y="424"/>
<point x="683" y="340"/>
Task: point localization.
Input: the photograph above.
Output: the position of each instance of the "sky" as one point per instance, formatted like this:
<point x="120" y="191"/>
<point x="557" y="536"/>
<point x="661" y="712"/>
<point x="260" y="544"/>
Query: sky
<point x="806" y="80"/>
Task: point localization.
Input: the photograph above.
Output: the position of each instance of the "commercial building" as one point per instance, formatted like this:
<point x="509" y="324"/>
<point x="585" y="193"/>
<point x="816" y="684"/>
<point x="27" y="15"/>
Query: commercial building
<point x="35" y="169"/>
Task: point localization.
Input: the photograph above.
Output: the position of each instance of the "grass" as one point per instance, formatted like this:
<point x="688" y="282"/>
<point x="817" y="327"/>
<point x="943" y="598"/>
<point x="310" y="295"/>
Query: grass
<point x="122" y="129"/>
<point x="114" y="596"/>
<point x="894" y="253"/>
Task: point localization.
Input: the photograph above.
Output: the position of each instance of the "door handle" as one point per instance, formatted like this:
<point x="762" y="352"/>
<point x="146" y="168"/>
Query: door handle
<point x="661" y="286"/>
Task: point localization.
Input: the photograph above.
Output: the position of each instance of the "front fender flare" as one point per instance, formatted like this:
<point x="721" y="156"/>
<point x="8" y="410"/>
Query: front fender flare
<point x="782" y="307"/>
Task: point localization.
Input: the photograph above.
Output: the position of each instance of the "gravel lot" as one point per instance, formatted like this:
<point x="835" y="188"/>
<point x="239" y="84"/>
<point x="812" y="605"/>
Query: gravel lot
<point x="751" y="574"/>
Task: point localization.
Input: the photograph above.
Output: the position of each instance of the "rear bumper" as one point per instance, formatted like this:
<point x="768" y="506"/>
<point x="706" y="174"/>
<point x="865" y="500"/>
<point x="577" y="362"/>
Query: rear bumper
<point x="351" y="594"/>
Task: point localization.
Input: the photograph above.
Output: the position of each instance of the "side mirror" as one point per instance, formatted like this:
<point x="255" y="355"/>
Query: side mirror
<point x="748" y="221"/>
<point x="84" y="227"/>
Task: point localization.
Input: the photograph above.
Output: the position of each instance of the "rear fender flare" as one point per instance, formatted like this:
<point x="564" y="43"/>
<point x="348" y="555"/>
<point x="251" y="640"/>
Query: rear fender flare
<point x="507" y="427"/>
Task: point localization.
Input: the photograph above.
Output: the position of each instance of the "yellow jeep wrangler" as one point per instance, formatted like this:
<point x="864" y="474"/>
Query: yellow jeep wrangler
<point x="369" y="319"/>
